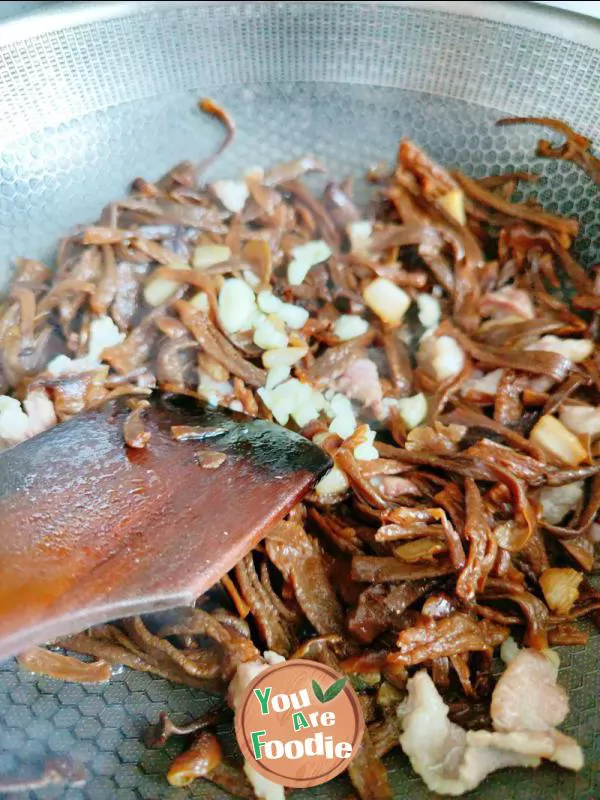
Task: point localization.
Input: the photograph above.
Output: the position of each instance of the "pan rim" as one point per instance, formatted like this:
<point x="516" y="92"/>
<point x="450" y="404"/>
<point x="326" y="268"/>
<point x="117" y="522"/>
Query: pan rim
<point x="555" y="22"/>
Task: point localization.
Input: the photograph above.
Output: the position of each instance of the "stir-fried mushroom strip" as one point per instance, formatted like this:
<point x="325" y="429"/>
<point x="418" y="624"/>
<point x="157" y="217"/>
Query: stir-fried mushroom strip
<point x="428" y="347"/>
<point x="576" y="148"/>
<point x="55" y="772"/>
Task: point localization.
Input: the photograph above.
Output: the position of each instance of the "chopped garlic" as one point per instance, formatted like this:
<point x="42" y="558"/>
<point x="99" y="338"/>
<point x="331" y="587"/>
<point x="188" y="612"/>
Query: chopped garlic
<point x="576" y="350"/>
<point x="251" y="278"/>
<point x="557" y="501"/>
<point x="339" y="403"/>
<point x="305" y="414"/>
<point x="291" y="399"/>
<point x="59" y="365"/>
<point x="558" y="442"/>
<point x="14" y="422"/>
<point x="233" y="194"/>
<point x="103" y="333"/>
<point x="319" y="400"/>
<point x="294" y="316"/>
<point x="359" y="234"/>
<point x="305" y="409"/>
<point x="343" y="424"/>
<point x="343" y="421"/>
<point x="17" y="424"/>
<point x="158" y="290"/>
<point x="279" y="398"/>
<point x="276" y="376"/>
<point x="366" y="450"/>
<point x="63" y="365"/>
<point x="272" y="658"/>
<point x="206" y="255"/>
<point x="267" y="336"/>
<point x="430" y="311"/>
<point x="304" y="257"/>
<point x="509" y="650"/>
<point x="488" y="384"/>
<point x="454" y="204"/>
<point x="442" y="356"/>
<point x="297" y="272"/>
<point x="333" y="482"/>
<point x="213" y="390"/>
<point x="387" y="300"/>
<point x="40" y="411"/>
<point x="283" y="357"/>
<point x="560" y="586"/>
<point x="237" y="305"/>
<point x="200" y="301"/>
<point x="581" y="419"/>
<point x="413" y="410"/>
<point x="349" y="326"/>
<point x="268" y="303"/>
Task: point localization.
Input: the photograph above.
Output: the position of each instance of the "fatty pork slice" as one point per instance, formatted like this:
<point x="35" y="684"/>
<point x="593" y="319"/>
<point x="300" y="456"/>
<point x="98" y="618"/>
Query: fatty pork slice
<point x="527" y="696"/>
<point x="453" y="761"/>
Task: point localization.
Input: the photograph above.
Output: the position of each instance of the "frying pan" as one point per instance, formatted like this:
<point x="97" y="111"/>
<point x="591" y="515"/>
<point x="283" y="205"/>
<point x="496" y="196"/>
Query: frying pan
<point x="94" y="94"/>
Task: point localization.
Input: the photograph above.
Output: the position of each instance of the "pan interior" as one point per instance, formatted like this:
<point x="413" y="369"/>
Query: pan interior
<point x="342" y="81"/>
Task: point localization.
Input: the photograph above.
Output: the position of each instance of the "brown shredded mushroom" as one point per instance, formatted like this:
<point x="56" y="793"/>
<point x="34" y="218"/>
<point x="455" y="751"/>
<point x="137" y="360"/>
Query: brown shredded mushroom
<point x="427" y="345"/>
<point x="65" y="668"/>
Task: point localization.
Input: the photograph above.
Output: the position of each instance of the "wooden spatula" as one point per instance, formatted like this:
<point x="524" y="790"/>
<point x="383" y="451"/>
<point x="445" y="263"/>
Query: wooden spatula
<point x="93" y="530"/>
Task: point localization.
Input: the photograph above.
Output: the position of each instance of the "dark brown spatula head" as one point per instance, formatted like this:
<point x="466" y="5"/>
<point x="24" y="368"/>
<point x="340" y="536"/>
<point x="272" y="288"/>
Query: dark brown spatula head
<point x="92" y="530"/>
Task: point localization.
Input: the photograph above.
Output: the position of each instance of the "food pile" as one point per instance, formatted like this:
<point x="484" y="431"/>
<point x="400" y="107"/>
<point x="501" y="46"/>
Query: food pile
<point x="440" y="346"/>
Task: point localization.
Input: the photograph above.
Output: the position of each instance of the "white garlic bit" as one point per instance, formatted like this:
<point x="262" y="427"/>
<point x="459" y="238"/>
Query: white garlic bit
<point x="206" y="255"/>
<point x="430" y="310"/>
<point x="387" y="300"/>
<point x="576" y="350"/>
<point x="359" y="233"/>
<point x="237" y="305"/>
<point x="413" y="410"/>
<point x="276" y="376"/>
<point x="366" y="451"/>
<point x="304" y="257"/>
<point x="294" y="399"/>
<point x="332" y="483"/>
<point x="233" y="194"/>
<point x="349" y="326"/>
<point x="268" y="336"/>
<point x="454" y="203"/>
<point x="158" y="290"/>
<point x="441" y="356"/>
<point x="103" y="333"/>
<point x="581" y="419"/>
<point x="200" y="301"/>
<point x="557" y="501"/>
<point x="283" y="356"/>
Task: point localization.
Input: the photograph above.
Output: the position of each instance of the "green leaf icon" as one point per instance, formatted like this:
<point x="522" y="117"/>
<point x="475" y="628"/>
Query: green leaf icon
<point x="335" y="688"/>
<point x="318" y="692"/>
<point x="330" y="693"/>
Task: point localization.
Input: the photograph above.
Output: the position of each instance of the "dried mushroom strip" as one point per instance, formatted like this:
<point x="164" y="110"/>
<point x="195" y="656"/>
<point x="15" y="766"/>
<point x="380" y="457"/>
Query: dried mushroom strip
<point x="424" y="345"/>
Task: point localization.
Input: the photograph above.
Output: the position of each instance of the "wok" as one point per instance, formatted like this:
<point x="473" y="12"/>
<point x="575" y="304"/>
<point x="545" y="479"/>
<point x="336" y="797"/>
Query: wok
<point x="93" y="94"/>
